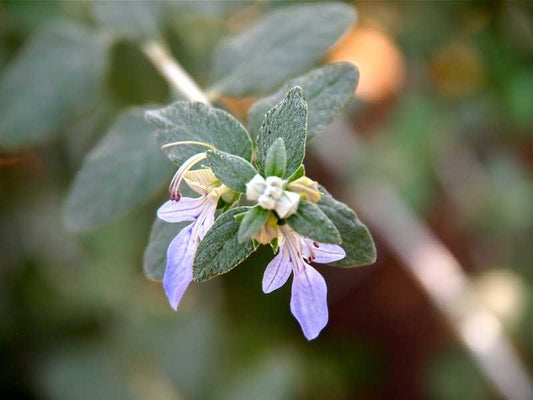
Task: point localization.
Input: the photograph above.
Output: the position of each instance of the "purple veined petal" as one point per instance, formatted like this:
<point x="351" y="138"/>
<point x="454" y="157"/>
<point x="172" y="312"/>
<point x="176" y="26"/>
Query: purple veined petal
<point x="208" y="218"/>
<point x="180" y="257"/>
<point x="322" y="253"/>
<point x="309" y="301"/>
<point x="185" y="209"/>
<point x="277" y="271"/>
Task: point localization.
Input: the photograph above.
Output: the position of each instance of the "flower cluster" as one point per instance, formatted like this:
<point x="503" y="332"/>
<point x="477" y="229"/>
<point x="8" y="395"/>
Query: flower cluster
<point x="283" y="208"/>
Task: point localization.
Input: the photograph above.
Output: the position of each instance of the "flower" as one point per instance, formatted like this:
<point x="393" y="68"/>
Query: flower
<point x="270" y="195"/>
<point x="201" y="211"/>
<point x="309" y="292"/>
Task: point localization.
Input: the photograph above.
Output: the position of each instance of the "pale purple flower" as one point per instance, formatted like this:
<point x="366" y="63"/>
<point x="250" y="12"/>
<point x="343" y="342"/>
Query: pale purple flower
<point x="182" y="249"/>
<point x="201" y="211"/>
<point x="309" y="292"/>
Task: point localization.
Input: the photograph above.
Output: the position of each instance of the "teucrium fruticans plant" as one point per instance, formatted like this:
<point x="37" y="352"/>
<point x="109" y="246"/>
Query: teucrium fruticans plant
<point x="249" y="185"/>
<point x="289" y="211"/>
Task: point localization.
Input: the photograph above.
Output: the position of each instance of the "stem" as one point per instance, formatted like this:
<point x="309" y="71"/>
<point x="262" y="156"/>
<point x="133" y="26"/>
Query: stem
<point x="430" y="263"/>
<point x="174" y="73"/>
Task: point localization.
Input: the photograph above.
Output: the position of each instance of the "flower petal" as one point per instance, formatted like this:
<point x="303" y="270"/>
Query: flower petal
<point x="309" y="301"/>
<point x="180" y="257"/>
<point x="185" y="209"/>
<point x="322" y="253"/>
<point x="208" y="218"/>
<point x="277" y="272"/>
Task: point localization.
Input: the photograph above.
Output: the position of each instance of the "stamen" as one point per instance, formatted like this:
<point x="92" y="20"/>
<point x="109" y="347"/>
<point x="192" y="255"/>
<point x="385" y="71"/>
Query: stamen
<point x="179" y="175"/>
<point x="188" y="142"/>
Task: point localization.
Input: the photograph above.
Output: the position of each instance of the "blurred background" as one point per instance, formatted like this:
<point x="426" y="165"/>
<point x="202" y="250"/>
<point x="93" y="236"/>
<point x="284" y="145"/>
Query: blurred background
<point x="442" y="118"/>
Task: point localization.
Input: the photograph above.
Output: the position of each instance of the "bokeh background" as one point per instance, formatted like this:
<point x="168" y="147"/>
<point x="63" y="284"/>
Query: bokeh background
<point x="443" y="115"/>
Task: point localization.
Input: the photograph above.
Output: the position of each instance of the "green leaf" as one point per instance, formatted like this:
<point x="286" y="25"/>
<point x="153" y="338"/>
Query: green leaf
<point x="234" y="171"/>
<point x="220" y="250"/>
<point x="131" y="19"/>
<point x="276" y="159"/>
<point x="122" y="171"/>
<point x="356" y="239"/>
<point x="312" y="223"/>
<point x="56" y="76"/>
<point x="284" y="43"/>
<point x="155" y="254"/>
<point x="251" y="223"/>
<point x="286" y="120"/>
<point x="184" y="120"/>
<point x="326" y="90"/>
<point x="297" y="174"/>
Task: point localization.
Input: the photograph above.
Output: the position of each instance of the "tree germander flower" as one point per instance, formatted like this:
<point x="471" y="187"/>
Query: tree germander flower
<point x="201" y="211"/>
<point x="308" y="299"/>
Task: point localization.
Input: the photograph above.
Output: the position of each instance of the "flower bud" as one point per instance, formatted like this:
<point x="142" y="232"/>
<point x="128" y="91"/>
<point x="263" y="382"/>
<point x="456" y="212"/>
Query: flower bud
<point x="266" y="202"/>
<point x="306" y="188"/>
<point x="269" y="230"/>
<point x="287" y="204"/>
<point x="255" y="187"/>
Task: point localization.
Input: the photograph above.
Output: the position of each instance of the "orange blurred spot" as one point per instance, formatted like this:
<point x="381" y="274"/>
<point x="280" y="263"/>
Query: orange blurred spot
<point x="380" y="62"/>
<point x="238" y="106"/>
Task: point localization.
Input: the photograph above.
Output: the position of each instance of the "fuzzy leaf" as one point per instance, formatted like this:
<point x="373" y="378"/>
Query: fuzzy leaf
<point x="286" y="120"/>
<point x="220" y="250"/>
<point x="297" y="174"/>
<point x="356" y="239"/>
<point x="155" y="254"/>
<point x="132" y="19"/>
<point x="58" y="74"/>
<point x="326" y="90"/>
<point x="123" y="170"/>
<point x="234" y="171"/>
<point x="184" y="120"/>
<point x="253" y="221"/>
<point x="276" y="159"/>
<point x="284" y="43"/>
<point x="311" y="222"/>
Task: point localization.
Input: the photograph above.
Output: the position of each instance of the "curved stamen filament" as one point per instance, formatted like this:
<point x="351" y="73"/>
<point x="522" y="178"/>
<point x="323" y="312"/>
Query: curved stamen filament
<point x="188" y="142"/>
<point x="179" y="175"/>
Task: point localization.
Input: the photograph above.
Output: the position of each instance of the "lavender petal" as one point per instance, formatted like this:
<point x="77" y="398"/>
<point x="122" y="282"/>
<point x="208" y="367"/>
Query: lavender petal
<point x="277" y="271"/>
<point x="180" y="257"/>
<point x="309" y="301"/>
<point x="323" y="253"/>
<point x="185" y="209"/>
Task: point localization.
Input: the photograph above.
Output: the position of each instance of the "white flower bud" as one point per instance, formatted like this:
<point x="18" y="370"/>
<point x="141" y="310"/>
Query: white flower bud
<point x="255" y="187"/>
<point x="266" y="202"/>
<point x="287" y="204"/>
<point x="274" y="181"/>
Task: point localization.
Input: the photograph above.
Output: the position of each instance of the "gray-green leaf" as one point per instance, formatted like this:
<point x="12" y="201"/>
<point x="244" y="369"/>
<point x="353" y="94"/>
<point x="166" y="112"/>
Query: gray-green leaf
<point x="155" y="254"/>
<point x="276" y="159"/>
<point x="284" y="43"/>
<point x="121" y="172"/>
<point x="132" y="19"/>
<point x="326" y="90"/>
<point x="356" y="239"/>
<point x="220" y="250"/>
<point x="253" y="221"/>
<point x="311" y="222"/>
<point x="286" y="120"/>
<point x="234" y="171"/>
<point x="183" y="120"/>
<point x="57" y="75"/>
